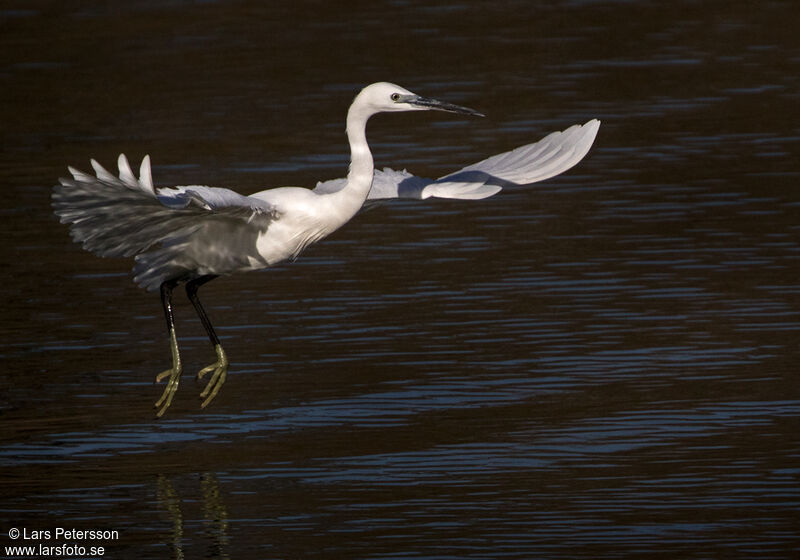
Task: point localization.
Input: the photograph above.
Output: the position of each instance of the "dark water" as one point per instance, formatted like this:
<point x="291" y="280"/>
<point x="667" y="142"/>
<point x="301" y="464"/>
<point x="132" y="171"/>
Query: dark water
<point x="600" y="366"/>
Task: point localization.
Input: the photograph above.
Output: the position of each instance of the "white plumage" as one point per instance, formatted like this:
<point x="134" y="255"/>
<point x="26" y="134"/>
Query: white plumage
<point x="552" y="155"/>
<point x="192" y="234"/>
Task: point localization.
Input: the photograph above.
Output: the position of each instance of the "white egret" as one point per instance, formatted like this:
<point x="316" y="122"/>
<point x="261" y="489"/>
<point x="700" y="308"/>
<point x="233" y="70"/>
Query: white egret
<point x="193" y="234"/>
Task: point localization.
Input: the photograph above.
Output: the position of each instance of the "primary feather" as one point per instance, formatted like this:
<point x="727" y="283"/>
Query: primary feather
<point x="550" y="156"/>
<point x="173" y="232"/>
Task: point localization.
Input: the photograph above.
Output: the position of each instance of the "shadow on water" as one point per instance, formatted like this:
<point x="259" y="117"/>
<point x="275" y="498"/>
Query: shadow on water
<point x="602" y="365"/>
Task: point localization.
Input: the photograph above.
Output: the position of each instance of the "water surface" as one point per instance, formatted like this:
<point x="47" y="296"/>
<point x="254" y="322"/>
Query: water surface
<point x="599" y="366"/>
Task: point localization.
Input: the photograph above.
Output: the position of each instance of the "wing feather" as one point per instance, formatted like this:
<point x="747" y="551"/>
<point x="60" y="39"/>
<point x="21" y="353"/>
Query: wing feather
<point x="146" y="175"/>
<point x="555" y="153"/>
<point x="386" y="184"/>
<point x="552" y="155"/>
<point x="125" y="216"/>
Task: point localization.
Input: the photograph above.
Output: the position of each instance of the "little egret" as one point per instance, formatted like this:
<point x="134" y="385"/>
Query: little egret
<point x="193" y="234"/>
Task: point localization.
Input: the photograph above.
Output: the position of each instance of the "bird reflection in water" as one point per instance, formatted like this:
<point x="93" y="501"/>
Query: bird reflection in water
<point x="215" y="515"/>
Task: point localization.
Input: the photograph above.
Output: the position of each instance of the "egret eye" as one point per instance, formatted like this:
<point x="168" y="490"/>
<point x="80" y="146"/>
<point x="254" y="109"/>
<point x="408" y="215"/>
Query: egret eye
<point x="395" y="97"/>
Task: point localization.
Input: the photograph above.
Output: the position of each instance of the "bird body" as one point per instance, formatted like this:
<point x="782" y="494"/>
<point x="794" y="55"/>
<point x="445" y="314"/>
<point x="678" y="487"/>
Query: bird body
<point x="192" y="234"/>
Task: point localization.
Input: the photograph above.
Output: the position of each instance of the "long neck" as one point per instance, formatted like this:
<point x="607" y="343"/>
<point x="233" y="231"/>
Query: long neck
<point x="359" y="179"/>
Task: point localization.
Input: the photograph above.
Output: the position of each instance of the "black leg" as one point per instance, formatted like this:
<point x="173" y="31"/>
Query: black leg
<point x="191" y="291"/>
<point x="166" y="302"/>
<point x="220" y="367"/>
<point x="174" y="373"/>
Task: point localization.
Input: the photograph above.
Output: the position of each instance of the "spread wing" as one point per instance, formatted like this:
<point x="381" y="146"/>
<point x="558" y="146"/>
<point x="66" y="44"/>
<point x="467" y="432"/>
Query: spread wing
<point x="125" y="216"/>
<point x="527" y="164"/>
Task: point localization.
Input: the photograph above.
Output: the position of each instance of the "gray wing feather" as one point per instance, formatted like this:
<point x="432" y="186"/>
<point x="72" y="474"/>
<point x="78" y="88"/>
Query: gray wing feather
<point x="110" y="216"/>
<point x="125" y="216"/>
<point x="215" y="200"/>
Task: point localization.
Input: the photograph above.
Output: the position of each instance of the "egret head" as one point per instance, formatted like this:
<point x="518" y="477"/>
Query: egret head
<point x="385" y="97"/>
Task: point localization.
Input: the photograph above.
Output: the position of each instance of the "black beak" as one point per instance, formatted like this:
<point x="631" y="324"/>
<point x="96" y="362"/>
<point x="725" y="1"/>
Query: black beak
<point x="437" y="105"/>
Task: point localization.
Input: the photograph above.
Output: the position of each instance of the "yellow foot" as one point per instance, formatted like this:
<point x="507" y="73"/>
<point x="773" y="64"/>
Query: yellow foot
<point x="174" y="374"/>
<point x="220" y="372"/>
